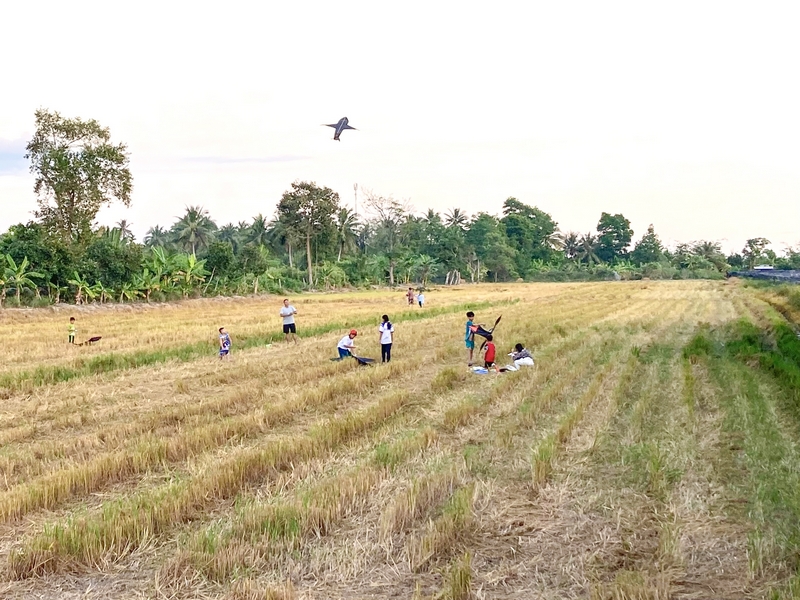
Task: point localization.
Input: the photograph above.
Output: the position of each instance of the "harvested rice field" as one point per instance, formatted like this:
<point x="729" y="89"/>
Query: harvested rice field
<point x="651" y="452"/>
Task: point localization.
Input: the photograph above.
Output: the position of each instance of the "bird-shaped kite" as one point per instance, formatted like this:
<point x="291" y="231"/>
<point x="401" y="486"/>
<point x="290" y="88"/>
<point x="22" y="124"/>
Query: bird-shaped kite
<point x="339" y="127"/>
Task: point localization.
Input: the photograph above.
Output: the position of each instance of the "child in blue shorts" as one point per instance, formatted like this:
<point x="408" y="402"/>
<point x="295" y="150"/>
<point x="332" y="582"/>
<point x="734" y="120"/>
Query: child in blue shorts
<point x="469" y="337"/>
<point x="224" y="343"/>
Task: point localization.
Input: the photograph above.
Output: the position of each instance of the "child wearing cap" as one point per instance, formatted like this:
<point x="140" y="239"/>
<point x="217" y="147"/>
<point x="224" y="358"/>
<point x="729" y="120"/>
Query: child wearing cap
<point x="346" y="346"/>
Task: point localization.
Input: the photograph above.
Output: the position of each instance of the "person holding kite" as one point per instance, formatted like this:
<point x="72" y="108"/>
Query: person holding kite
<point x="479" y="329"/>
<point x="469" y="337"/>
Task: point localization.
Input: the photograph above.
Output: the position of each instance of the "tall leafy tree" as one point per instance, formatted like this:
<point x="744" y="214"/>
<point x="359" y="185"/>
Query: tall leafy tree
<point x="113" y="262"/>
<point x="308" y="210"/>
<point x="649" y="249"/>
<point x="530" y="232"/>
<point x="754" y="251"/>
<point x="390" y="226"/>
<point x="47" y="254"/>
<point x="77" y="170"/>
<point x="220" y="258"/>
<point x="490" y="248"/>
<point x="614" y="237"/>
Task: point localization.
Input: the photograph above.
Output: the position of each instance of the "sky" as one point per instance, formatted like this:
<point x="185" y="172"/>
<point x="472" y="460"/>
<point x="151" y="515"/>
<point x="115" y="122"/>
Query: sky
<point x="685" y="115"/>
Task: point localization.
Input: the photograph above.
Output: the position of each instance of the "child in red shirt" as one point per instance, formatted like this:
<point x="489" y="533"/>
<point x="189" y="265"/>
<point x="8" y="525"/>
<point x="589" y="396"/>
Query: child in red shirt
<point x="489" y="353"/>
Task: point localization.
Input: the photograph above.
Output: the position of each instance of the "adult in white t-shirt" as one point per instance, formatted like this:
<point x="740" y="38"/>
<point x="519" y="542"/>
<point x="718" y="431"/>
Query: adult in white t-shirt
<point x="386" y="337"/>
<point x="288" y="312"/>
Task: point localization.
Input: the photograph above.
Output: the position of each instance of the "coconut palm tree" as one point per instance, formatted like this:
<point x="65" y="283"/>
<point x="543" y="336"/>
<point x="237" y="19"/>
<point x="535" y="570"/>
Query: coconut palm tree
<point x="258" y="231"/>
<point x="572" y="245"/>
<point x="346" y="231"/>
<point x="455" y="217"/>
<point x="194" y="230"/>
<point x="712" y="252"/>
<point x="229" y="233"/>
<point x="157" y="236"/>
<point x="18" y="276"/>
<point x="587" y="251"/>
<point x="284" y="236"/>
<point x="555" y="240"/>
<point x="125" y="230"/>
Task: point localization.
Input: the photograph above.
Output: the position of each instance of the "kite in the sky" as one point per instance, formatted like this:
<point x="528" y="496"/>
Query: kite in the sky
<point x="339" y="127"/>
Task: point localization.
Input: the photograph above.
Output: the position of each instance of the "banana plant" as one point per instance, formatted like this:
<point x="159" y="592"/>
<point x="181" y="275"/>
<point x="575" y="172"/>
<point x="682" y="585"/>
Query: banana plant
<point x="18" y="276"/>
<point x="83" y="289"/>
<point x="189" y="272"/>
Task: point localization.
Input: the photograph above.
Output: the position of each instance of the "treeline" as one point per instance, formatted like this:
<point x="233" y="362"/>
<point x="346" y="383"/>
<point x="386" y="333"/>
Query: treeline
<point x="312" y="241"/>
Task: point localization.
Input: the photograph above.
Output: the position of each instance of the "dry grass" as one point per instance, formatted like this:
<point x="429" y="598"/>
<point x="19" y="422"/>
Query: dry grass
<point x="282" y="475"/>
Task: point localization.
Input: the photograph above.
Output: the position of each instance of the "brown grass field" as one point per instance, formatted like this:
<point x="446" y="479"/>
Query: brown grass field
<point x="622" y="466"/>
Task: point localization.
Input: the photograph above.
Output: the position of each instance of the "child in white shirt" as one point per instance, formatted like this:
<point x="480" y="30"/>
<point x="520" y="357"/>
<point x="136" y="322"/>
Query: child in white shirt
<point x="386" y="337"/>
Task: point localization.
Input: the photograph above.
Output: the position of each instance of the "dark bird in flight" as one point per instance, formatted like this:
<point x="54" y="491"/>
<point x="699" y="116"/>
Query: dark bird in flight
<point x="339" y="127"/>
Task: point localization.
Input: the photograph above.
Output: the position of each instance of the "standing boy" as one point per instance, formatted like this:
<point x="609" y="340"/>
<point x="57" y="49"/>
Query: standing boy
<point x="288" y="312"/>
<point x="410" y="296"/>
<point x="489" y="352"/>
<point x="386" y="337"/>
<point x="72" y="330"/>
<point x="224" y="343"/>
<point x="469" y="337"/>
<point x="346" y="345"/>
<point x="421" y="298"/>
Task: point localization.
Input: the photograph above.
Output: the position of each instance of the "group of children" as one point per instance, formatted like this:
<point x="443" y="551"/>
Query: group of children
<point x="420" y="297"/>
<point x="520" y="356"/>
<point x="346" y="346"/>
